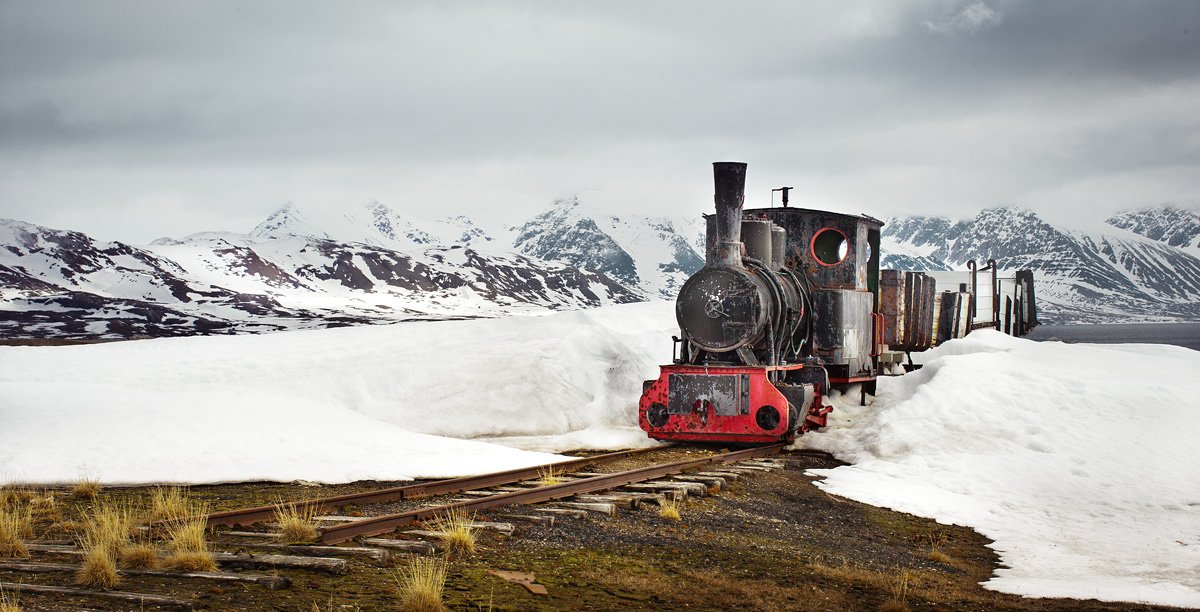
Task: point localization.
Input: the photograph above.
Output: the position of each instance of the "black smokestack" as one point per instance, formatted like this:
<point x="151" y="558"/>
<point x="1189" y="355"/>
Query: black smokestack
<point x="730" y="182"/>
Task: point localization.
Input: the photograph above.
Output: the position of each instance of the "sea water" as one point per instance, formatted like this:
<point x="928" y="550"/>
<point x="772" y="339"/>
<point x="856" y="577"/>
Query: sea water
<point x="1180" y="334"/>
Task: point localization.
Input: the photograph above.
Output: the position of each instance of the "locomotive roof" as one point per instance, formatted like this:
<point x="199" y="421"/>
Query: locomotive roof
<point x="812" y="211"/>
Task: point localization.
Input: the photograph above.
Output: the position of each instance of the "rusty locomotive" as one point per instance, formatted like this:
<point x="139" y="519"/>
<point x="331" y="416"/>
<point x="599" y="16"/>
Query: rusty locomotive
<point x="788" y="306"/>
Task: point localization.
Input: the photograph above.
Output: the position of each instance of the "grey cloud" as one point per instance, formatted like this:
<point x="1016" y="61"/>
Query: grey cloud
<point x="224" y="110"/>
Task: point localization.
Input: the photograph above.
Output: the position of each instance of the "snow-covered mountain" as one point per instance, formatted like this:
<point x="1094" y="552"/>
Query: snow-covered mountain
<point x="303" y="268"/>
<point x="654" y="254"/>
<point x="295" y="270"/>
<point x="1112" y="274"/>
<point x="1174" y="225"/>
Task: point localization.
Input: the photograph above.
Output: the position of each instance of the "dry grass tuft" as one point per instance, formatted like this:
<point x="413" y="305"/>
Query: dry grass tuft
<point x="938" y="556"/>
<point x="86" y="488"/>
<point x="899" y="587"/>
<point x="458" y="531"/>
<point x="139" y="555"/>
<point x="16" y="524"/>
<point x="421" y="584"/>
<point x="109" y="526"/>
<point x="937" y="540"/>
<point x="547" y="476"/>
<point x="13" y="496"/>
<point x="105" y="534"/>
<point x="9" y="604"/>
<point x="44" y="506"/>
<point x="670" y="508"/>
<point x="99" y="567"/>
<point x="188" y="545"/>
<point x="191" y="561"/>
<point x="297" y="524"/>
<point x="169" y="503"/>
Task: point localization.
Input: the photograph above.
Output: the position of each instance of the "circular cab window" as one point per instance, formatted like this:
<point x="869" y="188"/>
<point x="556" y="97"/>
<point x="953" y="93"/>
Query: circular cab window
<point x="830" y="247"/>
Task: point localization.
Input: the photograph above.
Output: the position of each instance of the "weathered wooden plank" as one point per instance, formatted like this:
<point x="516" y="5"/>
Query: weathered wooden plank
<point x="505" y="528"/>
<point x="767" y="463"/>
<point x="319" y="551"/>
<point x="710" y="481"/>
<point x="245" y="559"/>
<point x="426" y="533"/>
<point x="609" y="509"/>
<point x="336" y="518"/>
<point x="251" y="534"/>
<point x="693" y="488"/>
<point x="741" y="467"/>
<point x="560" y="511"/>
<point x="621" y="500"/>
<point x="139" y="598"/>
<point x="271" y="582"/>
<point x="674" y="492"/>
<point x="729" y="476"/>
<point x="420" y="547"/>
<point x="547" y="520"/>
<point x="58" y="549"/>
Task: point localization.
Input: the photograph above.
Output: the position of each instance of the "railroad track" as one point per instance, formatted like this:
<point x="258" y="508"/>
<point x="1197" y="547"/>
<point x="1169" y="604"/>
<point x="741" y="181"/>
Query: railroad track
<point x="477" y="494"/>
<point x="248" y="516"/>
<point x="378" y="525"/>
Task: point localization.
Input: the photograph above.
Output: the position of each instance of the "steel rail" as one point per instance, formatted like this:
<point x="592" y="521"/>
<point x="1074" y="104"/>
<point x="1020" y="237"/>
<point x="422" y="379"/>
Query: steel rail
<point x="377" y="525"/>
<point x="419" y="490"/>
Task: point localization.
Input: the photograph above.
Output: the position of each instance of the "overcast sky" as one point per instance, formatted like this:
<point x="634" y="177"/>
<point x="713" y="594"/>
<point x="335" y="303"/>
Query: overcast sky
<point x="134" y="120"/>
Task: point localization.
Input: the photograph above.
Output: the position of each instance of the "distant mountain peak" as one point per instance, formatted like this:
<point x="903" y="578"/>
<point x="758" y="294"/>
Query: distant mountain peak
<point x="1081" y="276"/>
<point x="568" y="203"/>
<point x="1173" y="224"/>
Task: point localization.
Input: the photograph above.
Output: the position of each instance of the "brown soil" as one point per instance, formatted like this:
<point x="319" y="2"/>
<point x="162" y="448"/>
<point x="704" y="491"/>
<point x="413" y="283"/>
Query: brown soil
<point x="771" y="541"/>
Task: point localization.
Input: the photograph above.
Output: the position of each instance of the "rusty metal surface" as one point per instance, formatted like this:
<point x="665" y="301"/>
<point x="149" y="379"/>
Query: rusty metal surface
<point x="843" y="331"/>
<point x="907" y="303"/>
<point x="248" y="516"/>
<point x="726" y="395"/>
<point x="723" y="308"/>
<point x="729" y="182"/>
<point x="384" y="524"/>
<point x="802" y="224"/>
<point x="757" y="237"/>
<point x="892" y="304"/>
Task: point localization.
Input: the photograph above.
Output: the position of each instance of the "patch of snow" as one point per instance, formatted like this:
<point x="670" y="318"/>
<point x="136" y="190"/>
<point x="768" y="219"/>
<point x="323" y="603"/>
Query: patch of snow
<point x="335" y="405"/>
<point x="1079" y="460"/>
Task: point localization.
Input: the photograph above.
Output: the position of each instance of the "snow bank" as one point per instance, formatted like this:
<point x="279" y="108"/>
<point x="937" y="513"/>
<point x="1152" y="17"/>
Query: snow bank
<point x="1080" y="461"/>
<point x="332" y="405"/>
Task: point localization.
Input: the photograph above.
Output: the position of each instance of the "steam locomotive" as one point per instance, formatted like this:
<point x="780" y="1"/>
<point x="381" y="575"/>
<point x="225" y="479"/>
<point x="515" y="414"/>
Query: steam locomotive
<point x="788" y="306"/>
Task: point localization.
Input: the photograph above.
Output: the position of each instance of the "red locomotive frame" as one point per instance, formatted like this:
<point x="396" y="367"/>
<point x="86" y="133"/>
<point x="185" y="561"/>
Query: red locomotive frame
<point x="703" y="423"/>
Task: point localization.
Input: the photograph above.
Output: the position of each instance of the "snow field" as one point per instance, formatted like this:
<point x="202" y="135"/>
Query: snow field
<point x="381" y="402"/>
<point x="1080" y="461"/>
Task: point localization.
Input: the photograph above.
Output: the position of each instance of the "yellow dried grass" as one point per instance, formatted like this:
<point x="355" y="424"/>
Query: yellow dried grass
<point x="9" y="604"/>
<point x="547" y="476"/>
<point x="297" y="523"/>
<point x="139" y="555"/>
<point x="458" y="531"/>
<point x="16" y="524"/>
<point x="86" y="488"/>
<point x="421" y="584"/>
<point x="169" y="503"/>
<point x="670" y="508"/>
<point x="99" y="569"/>
<point x="187" y="544"/>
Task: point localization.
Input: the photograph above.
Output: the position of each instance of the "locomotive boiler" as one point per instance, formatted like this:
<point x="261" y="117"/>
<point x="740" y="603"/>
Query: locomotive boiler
<point x="783" y="310"/>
